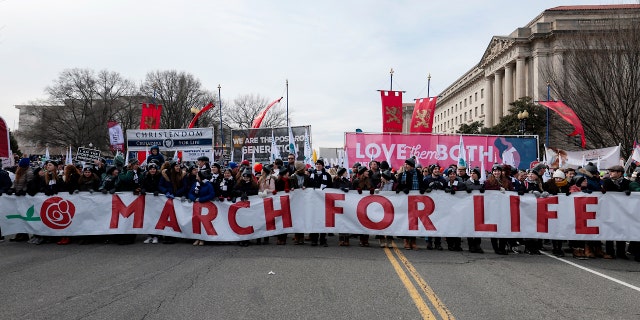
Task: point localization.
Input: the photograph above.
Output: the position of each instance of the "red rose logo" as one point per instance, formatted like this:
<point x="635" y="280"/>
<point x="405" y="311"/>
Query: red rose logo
<point x="57" y="213"/>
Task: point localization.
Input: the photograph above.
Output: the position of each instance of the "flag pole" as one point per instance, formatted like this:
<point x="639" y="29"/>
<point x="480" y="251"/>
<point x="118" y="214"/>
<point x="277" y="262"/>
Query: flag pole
<point x="428" y="85"/>
<point x="221" y="130"/>
<point x="391" y="80"/>
<point x="548" y="99"/>
<point x="287" y="89"/>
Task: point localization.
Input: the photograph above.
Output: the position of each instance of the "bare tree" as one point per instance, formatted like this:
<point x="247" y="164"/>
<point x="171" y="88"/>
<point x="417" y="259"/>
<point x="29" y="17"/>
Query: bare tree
<point x="79" y="105"/>
<point x="600" y="81"/>
<point x="245" y="108"/>
<point x="177" y="92"/>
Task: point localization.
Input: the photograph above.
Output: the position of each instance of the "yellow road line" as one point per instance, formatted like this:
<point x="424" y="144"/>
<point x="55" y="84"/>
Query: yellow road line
<point x="413" y="292"/>
<point x="435" y="301"/>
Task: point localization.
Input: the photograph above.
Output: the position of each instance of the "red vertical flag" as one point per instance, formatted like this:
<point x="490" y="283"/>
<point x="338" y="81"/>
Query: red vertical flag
<point x="422" y="118"/>
<point x="150" y="118"/>
<point x="5" y="148"/>
<point x="391" y="111"/>
<point x="569" y="116"/>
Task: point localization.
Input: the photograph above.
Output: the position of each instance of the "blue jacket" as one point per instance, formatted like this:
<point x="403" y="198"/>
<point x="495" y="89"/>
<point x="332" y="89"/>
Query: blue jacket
<point x="204" y="193"/>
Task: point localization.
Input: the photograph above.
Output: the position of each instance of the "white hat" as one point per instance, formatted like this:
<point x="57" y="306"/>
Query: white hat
<point x="559" y="174"/>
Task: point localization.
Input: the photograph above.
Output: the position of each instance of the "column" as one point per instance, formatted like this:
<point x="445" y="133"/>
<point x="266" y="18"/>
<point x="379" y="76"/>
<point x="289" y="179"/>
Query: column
<point x="497" y="97"/>
<point x="488" y="102"/>
<point x="520" y="80"/>
<point x="508" y="89"/>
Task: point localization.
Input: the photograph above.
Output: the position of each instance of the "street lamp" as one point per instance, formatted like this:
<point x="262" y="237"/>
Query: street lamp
<point x="195" y="111"/>
<point x="523" y="116"/>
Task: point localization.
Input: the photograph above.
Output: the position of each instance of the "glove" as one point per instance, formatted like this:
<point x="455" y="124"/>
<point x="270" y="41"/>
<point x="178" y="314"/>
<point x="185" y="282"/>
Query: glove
<point x="397" y="191"/>
<point x="469" y="190"/>
<point x="604" y="191"/>
<point x="502" y="189"/>
<point x="521" y="192"/>
<point x="112" y="191"/>
<point x="453" y="191"/>
<point x="286" y="190"/>
<point x="244" y="197"/>
<point x="221" y="199"/>
<point x="104" y="191"/>
<point x="544" y="194"/>
<point x="585" y="190"/>
<point x="422" y="191"/>
<point x="376" y="191"/>
<point x="183" y="199"/>
<point x="406" y="191"/>
<point x="156" y="193"/>
<point x="359" y="191"/>
<point x="554" y="193"/>
<point x="428" y="190"/>
<point x="536" y="193"/>
<point x="262" y="194"/>
<point x="568" y="193"/>
<point x="627" y="192"/>
<point x="447" y="190"/>
<point x="189" y="200"/>
<point x="233" y="200"/>
<point x="274" y="192"/>
<point x="371" y="191"/>
<point x="482" y="189"/>
<point x="169" y="195"/>
<point x="197" y="200"/>
<point x="345" y="190"/>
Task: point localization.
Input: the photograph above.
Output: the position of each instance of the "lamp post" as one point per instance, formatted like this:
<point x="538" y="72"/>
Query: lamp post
<point x="523" y="116"/>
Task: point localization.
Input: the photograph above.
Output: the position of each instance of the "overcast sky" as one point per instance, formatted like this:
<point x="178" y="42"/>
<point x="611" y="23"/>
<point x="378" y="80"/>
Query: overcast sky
<point x="335" y="54"/>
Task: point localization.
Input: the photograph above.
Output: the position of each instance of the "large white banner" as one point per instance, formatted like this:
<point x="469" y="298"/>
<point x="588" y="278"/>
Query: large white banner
<point x="610" y="216"/>
<point x="603" y="158"/>
<point x="170" y="139"/>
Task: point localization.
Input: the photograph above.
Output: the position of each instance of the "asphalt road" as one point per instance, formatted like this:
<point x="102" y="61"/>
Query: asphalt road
<point x="225" y="281"/>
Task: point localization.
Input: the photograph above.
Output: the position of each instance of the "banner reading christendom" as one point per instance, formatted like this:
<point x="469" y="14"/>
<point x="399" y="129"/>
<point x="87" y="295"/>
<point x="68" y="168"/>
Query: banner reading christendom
<point x="579" y="216"/>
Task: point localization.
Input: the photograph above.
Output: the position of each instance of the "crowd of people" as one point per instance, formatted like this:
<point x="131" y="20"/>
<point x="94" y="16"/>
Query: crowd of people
<point x="203" y="181"/>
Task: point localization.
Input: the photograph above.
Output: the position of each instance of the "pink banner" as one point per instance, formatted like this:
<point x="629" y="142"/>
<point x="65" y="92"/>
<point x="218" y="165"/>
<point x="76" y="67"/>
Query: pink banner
<point x="5" y="149"/>
<point x="444" y="150"/>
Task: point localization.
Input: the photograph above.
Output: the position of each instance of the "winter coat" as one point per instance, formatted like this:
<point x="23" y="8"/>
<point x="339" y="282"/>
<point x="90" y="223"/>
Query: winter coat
<point x="435" y="183"/>
<point x="20" y="184"/>
<point x="5" y="181"/>
<point x="150" y="182"/>
<point x="166" y="186"/>
<point x="71" y="185"/>
<point x="321" y="179"/>
<point x="249" y="188"/>
<point x="473" y="184"/>
<point x="299" y="180"/>
<point x="226" y="187"/>
<point x="89" y="184"/>
<point x="130" y="180"/>
<point x="201" y="191"/>
<point x="405" y="181"/>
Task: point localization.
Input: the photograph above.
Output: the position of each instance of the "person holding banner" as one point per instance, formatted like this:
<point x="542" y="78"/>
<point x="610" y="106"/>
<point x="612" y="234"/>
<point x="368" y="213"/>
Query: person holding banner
<point x="52" y="183"/>
<point x="410" y="179"/>
<point x="615" y="182"/>
<point x="473" y="183"/>
<point x="226" y="186"/>
<point x="363" y="183"/>
<point x="282" y="183"/>
<point x="454" y="184"/>
<point x="434" y="181"/>
<point x="24" y="177"/>
<point x="320" y="179"/>
<point x="246" y="186"/>
<point x="340" y="181"/>
<point x="555" y="186"/>
<point x="300" y="180"/>
<point x="497" y="181"/>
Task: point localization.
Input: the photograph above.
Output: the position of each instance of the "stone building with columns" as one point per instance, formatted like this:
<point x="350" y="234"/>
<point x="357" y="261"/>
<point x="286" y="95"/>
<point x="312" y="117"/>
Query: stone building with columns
<point x="512" y="65"/>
